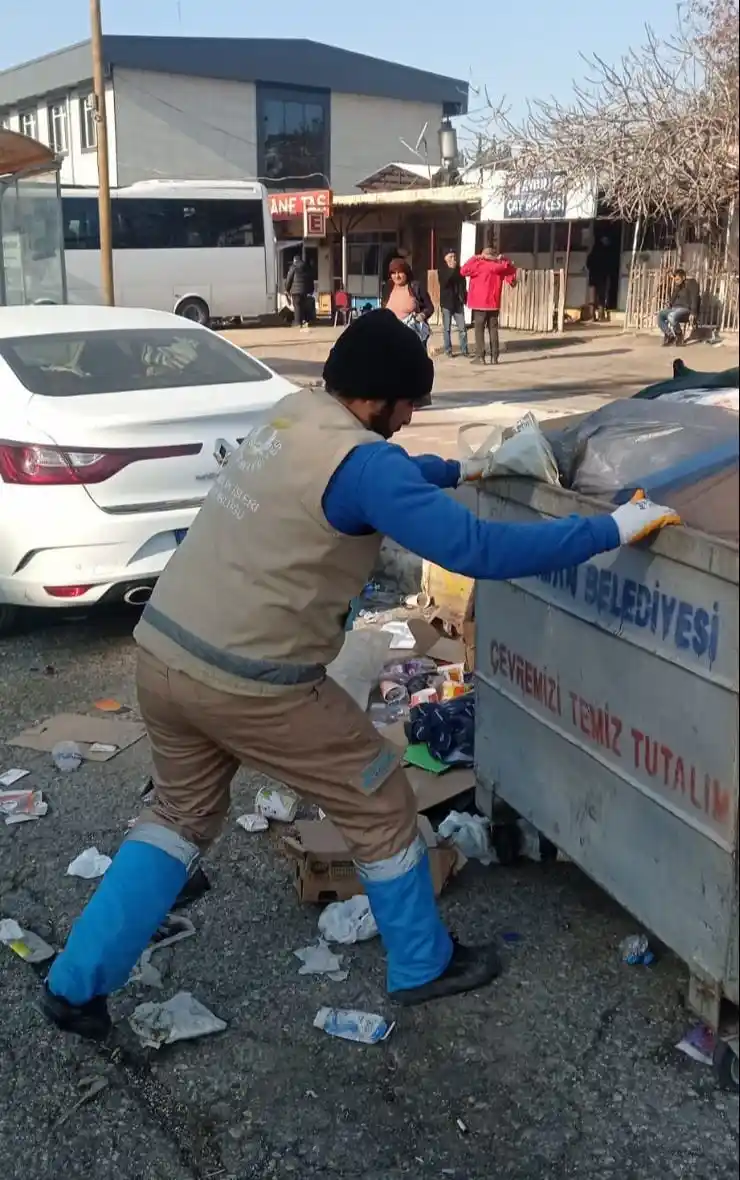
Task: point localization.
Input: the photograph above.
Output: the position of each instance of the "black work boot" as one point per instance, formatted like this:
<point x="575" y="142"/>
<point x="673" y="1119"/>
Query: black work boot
<point x="196" y="886"/>
<point x="91" y="1020"/>
<point x="469" y="968"/>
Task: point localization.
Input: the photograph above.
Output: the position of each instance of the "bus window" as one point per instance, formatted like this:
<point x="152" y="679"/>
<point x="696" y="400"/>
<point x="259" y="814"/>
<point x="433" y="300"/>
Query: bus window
<point x="80" y="223"/>
<point x="154" y="223"/>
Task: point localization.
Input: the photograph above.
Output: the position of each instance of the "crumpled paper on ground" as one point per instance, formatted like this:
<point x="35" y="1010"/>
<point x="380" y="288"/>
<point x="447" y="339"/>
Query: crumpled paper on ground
<point x="319" y="959"/>
<point x="183" y="1018"/>
<point x="24" y="943"/>
<point x="144" y="971"/>
<point x="89" y="865"/>
<point x="348" y="921"/>
<point x="358" y="666"/>
<point x="253" y="823"/>
<point x="471" y="834"/>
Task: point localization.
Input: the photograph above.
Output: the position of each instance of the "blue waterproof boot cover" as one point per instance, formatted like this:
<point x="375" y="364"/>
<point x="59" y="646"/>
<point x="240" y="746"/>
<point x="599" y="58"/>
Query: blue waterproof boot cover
<point x="135" y="895"/>
<point x="401" y="895"/>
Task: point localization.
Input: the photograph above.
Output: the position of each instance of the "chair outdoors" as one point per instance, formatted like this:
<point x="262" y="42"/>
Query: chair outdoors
<point x="342" y="307"/>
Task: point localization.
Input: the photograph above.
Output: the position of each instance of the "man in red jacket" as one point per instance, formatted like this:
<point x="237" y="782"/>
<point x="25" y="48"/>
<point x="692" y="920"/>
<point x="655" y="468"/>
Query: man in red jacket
<point x="487" y="273"/>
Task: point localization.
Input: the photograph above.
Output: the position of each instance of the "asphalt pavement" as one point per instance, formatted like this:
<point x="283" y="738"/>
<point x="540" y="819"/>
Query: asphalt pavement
<point x="565" y="1067"/>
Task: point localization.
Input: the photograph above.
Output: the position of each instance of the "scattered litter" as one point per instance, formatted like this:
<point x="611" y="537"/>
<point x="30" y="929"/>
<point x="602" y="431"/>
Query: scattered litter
<point x="110" y="705"/>
<point x="276" y="803"/>
<point x="348" y="921"/>
<point x="530" y="841"/>
<point x="448" y="729"/>
<point x="147" y="792"/>
<point x="636" y="950"/>
<point x="471" y="834"/>
<point x="94" y="1087"/>
<point x="253" y="823"/>
<point x="14" y="775"/>
<point x="67" y="756"/>
<point x="699" y="1044"/>
<point x="461" y="1126"/>
<point x="103" y="748"/>
<point x="183" y="1018"/>
<point x="24" y="943"/>
<point x="351" y="1025"/>
<point x="89" y="865"/>
<point x="19" y="806"/>
<point x="144" y="971"/>
<point x="402" y="637"/>
<point x="319" y="959"/>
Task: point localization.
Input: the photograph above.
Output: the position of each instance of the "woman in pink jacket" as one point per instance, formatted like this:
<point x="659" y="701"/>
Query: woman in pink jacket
<point x="487" y="274"/>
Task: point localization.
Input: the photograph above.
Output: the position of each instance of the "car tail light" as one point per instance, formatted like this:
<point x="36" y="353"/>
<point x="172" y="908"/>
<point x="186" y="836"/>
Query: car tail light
<point x="67" y="591"/>
<point x="21" y="463"/>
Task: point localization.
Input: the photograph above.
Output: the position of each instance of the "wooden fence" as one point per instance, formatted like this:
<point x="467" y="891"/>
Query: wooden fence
<point x="535" y="303"/>
<point x="649" y="291"/>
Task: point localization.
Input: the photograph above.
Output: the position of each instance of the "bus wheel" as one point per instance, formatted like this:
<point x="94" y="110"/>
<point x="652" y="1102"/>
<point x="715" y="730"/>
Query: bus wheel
<point x="194" y="309"/>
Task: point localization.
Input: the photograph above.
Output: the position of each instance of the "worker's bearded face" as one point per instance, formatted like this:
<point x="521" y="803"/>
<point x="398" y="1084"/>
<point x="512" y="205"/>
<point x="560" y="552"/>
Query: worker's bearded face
<point x="387" y="418"/>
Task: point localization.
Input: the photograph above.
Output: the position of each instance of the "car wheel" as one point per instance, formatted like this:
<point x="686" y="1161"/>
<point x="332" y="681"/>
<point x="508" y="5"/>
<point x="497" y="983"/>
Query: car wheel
<point x="194" y="309"/>
<point x="8" y="618"/>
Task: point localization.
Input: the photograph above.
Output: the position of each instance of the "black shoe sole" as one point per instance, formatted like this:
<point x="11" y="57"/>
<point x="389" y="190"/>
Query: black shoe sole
<point x="194" y="888"/>
<point x="92" y="1022"/>
<point x="481" y="975"/>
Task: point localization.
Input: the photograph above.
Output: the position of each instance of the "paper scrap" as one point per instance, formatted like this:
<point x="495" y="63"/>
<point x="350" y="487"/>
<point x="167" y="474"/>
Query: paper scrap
<point x="14" y="775"/>
<point x="89" y="865"/>
<point x="183" y="1018"/>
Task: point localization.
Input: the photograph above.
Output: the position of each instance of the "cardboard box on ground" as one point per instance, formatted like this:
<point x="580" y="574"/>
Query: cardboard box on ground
<point x="323" y="868"/>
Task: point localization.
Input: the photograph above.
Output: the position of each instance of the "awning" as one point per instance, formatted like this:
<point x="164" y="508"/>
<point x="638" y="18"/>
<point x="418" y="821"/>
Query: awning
<point x="20" y="153"/>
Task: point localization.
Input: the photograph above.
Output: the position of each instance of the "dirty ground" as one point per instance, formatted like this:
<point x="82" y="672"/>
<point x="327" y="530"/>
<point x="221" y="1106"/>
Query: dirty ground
<point x="564" y="1068"/>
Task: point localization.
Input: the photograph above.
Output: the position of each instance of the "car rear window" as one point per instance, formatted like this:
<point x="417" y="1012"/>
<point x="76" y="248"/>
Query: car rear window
<point x="75" y="364"/>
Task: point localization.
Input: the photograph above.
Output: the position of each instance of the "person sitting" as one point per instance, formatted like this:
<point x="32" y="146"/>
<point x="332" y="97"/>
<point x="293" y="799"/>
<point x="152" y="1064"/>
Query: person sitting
<point x="683" y="305"/>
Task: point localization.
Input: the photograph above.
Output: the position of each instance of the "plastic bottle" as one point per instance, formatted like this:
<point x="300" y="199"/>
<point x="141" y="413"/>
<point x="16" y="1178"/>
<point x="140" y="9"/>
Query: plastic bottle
<point x="67" y="756"/>
<point x="636" y="949"/>
<point x="351" y="1025"/>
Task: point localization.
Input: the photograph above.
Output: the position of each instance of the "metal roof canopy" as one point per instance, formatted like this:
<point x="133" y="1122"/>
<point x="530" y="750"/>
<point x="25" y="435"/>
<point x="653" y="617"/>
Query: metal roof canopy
<point x="455" y="194"/>
<point x="19" y="154"/>
<point x="271" y="60"/>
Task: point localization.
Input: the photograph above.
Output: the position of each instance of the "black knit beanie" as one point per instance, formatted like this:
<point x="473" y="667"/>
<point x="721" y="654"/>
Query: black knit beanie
<point x="379" y="359"/>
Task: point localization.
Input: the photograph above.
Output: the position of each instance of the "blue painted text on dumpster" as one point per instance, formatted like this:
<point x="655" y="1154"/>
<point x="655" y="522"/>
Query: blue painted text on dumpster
<point x="689" y="626"/>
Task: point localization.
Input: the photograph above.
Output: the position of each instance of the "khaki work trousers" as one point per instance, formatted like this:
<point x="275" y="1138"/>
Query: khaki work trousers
<point x="314" y="738"/>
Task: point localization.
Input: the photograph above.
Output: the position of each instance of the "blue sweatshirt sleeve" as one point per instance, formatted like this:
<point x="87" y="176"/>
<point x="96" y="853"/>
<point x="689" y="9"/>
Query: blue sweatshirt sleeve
<point x="379" y="488"/>
<point x="443" y="473"/>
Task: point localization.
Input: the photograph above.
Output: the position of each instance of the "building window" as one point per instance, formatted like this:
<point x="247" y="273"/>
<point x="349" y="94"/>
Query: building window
<point x="293" y="137"/>
<point x="58" y="140"/>
<point x="88" y="129"/>
<point x="28" y="124"/>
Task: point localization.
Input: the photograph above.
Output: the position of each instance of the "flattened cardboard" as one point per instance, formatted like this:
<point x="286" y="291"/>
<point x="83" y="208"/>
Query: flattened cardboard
<point x="430" y="643"/>
<point x="323" y="868"/>
<point x="85" y="731"/>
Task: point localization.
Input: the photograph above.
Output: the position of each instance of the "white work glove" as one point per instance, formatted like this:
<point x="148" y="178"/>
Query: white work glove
<point x="640" y="517"/>
<point x="473" y="469"/>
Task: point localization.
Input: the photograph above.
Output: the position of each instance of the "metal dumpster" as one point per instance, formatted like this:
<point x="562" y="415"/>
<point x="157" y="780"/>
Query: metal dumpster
<point x="607" y="715"/>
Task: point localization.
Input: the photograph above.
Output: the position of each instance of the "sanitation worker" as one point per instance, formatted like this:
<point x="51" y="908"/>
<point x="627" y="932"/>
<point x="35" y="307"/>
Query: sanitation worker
<point x="234" y="644"/>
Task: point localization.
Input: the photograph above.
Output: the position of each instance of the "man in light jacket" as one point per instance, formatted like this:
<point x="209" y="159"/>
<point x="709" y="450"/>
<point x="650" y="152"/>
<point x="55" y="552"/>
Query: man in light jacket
<point x="487" y="273"/>
<point x="233" y="650"/>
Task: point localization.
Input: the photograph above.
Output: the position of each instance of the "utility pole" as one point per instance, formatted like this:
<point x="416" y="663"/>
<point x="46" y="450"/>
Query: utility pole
<point x="101" y="127"/>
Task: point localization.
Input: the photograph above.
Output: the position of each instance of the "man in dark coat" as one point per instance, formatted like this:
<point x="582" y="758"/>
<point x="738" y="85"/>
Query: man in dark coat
<point x="452" y="293"/>
<point x="299" y="288"/>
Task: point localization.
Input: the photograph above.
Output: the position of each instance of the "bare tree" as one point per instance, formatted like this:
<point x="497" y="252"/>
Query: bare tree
<point x="657" y="132"/>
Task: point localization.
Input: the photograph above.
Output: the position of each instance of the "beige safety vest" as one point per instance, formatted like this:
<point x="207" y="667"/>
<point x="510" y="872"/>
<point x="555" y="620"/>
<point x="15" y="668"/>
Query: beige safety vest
<point x="255" y="598"/>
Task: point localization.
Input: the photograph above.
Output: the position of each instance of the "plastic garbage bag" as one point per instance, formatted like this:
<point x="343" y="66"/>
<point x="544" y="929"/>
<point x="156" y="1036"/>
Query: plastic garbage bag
<point x="471" y="834"/>
<point x="521" y="449"/>
<point x="183" y="1018"/>
<point x="348" y="921"/>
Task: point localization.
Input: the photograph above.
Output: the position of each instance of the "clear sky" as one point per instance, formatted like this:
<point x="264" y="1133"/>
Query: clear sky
<point x="519" y="49"/>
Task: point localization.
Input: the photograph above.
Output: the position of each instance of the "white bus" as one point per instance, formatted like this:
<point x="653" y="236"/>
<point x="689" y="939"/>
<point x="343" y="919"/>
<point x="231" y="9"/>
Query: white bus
<point x="201" y="248"/>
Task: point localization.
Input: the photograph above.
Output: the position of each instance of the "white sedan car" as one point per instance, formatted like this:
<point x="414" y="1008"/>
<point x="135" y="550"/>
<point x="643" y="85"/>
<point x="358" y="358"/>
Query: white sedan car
<point x="113" y="425"/>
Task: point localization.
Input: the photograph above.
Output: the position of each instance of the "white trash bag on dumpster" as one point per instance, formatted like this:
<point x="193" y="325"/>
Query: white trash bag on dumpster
<point x="521" y="449"/>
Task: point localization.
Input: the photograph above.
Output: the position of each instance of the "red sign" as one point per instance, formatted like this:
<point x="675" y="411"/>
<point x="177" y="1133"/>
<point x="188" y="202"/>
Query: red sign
<point x="283" y="206"/>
